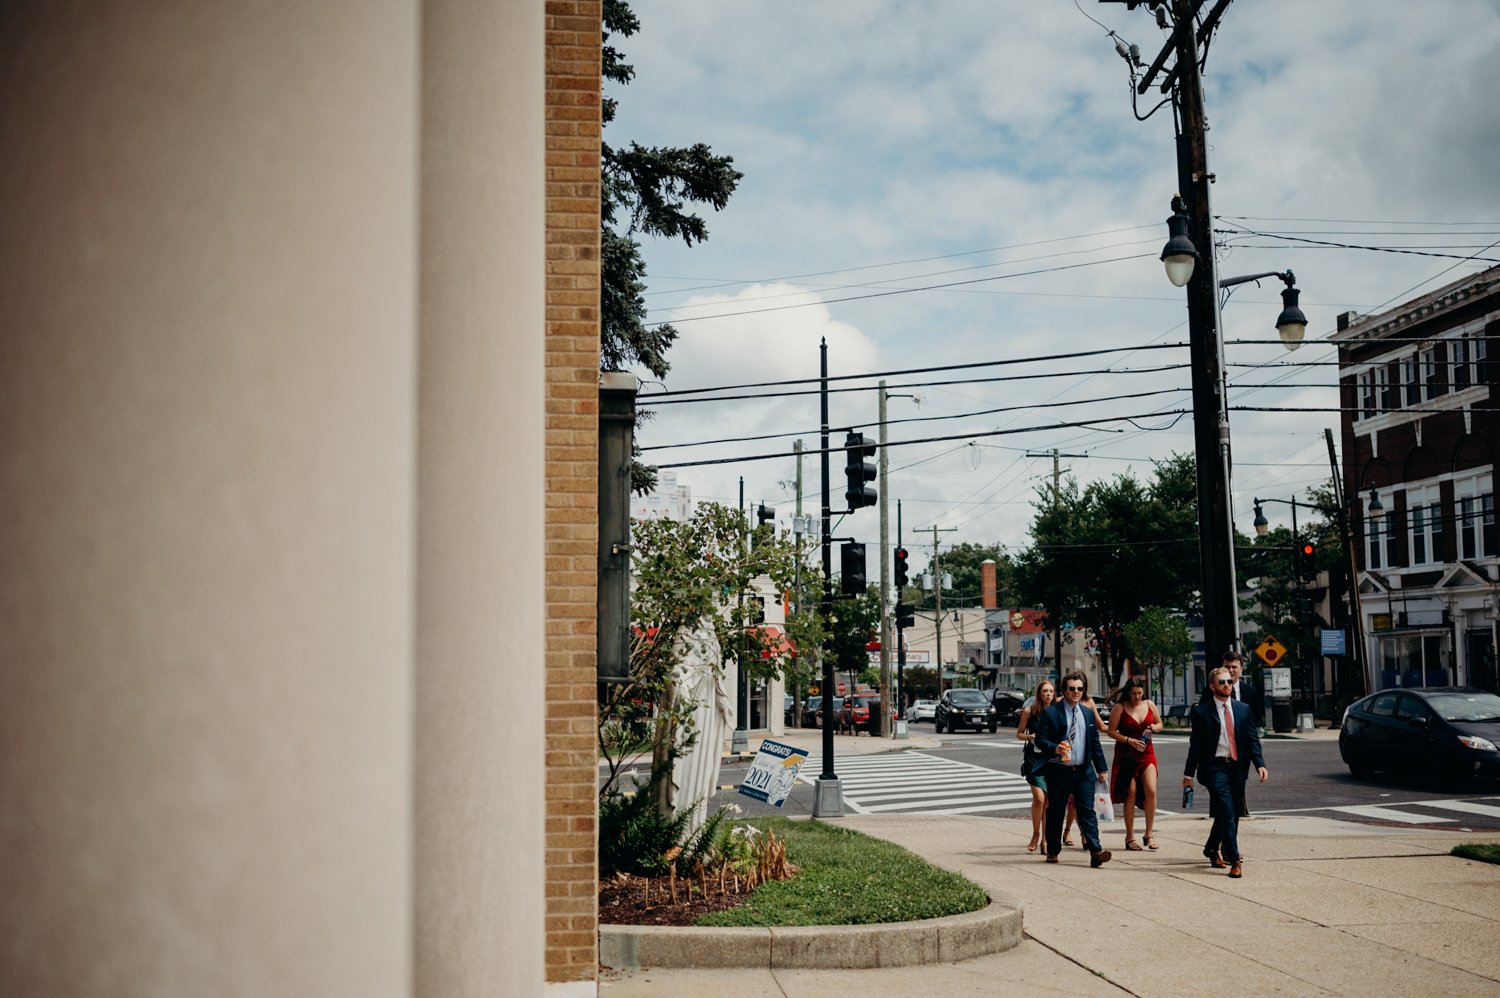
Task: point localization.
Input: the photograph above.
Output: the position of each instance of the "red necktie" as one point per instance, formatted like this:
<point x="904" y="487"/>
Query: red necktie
<point x="1234" y="753"/>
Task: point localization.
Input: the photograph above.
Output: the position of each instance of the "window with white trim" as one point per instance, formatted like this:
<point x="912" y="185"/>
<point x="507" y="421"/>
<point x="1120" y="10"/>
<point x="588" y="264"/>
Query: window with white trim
<point x="1424" y="518"/>
<point x="1427" y="361"/>
<point x="1461" y="375"/>
<point x="1364" y="396"/>
<point x="1380" y="540"/>
<point x="1474" y="513"/>
<point x="1383" y="400"/>
<point x="1411" y="388"/>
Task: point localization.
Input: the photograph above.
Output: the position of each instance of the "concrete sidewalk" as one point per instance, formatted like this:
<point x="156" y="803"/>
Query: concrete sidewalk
<point x="1325" y="908"/>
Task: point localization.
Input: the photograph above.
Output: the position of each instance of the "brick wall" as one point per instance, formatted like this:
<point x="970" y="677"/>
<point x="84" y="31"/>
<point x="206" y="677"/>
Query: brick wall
<point x="573" y="124"/>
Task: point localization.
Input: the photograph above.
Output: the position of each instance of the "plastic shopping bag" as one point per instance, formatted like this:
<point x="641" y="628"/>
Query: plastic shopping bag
<point x="1104" y="807"/>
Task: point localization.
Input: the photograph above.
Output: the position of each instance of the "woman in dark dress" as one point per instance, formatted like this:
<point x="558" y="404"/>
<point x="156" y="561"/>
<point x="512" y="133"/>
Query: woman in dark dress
<point x="1046" y="692"/>
<point x="1131" y="724"/>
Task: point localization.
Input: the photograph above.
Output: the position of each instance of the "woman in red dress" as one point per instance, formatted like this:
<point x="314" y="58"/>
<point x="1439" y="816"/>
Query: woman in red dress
<point x="1133" y="782"/>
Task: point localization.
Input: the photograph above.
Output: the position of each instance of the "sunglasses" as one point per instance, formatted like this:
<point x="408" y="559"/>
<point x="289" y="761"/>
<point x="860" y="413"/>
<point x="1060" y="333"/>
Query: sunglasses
<point x="1073" y="689"/>
<point x="1224" y="682"/>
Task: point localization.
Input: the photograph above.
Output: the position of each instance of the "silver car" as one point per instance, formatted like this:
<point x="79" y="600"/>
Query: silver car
<point x="922" y="710"/>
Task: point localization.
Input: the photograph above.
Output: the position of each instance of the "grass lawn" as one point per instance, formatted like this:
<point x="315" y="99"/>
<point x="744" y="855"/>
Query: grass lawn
<point x="846" y="878"/>
<point x="1484" y="852"/>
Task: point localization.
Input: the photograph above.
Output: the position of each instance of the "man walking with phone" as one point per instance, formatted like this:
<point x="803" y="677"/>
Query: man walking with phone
<point x="1224" y="743"/>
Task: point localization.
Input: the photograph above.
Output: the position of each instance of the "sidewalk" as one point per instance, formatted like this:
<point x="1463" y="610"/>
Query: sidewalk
<point x="1325" y="908"/>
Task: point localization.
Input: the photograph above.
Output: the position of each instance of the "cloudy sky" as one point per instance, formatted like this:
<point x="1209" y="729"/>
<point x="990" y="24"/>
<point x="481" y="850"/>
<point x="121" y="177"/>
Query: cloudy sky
<point x="982" y="161"/>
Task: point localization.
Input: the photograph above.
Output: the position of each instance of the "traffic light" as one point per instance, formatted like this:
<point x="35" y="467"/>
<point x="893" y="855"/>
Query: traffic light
<point x="852" y="568"/>
<point x="859" y="468"/>
<point x="1307" y="562"/>
<point x="906" y="615"/>
<point x="764" y="514"/>
<point x="901" y="576"/>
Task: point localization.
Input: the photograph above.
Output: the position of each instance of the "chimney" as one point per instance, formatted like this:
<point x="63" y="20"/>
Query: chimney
<point x="987" y="584"/>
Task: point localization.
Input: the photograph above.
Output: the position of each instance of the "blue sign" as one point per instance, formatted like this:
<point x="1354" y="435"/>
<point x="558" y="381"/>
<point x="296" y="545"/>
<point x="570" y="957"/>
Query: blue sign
<point x="1335" y="641"/>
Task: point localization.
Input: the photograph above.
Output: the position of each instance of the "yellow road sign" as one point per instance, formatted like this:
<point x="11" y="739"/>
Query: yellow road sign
<point x="1271" y="651"/>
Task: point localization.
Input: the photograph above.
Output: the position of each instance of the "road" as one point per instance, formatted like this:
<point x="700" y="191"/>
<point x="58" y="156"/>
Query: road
<point x="979" y="773"/>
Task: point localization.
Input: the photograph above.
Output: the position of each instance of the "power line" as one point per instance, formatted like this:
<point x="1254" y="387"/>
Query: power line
<point x="907" y="291"/>
<point x="1179" y="413"/>
<point x="970" y="365"/>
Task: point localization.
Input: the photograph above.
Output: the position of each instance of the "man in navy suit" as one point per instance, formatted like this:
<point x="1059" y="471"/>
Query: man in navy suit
<point x="1067" y="742"/>
<point x="1223" y="745"/>
<point x="1245" y="691"/>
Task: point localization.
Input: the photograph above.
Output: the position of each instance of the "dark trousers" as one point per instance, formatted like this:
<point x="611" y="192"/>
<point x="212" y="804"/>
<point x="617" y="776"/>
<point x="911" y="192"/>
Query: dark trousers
<point x="1226" y="790"/>
<point x="1076" y="782"/>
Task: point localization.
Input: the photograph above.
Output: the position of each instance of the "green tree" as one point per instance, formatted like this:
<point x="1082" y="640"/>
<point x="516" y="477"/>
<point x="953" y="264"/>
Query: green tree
<point x="1160" y="642"/>
<point x="684" y="573"/>
<point x="647" y="190"/>
<point x="855" y="623"/>
<point x="1099" y="555"/>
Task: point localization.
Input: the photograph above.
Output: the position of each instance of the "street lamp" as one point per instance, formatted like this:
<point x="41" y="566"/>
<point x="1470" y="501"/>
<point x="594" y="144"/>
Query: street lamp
<point x="1179" y="255"/>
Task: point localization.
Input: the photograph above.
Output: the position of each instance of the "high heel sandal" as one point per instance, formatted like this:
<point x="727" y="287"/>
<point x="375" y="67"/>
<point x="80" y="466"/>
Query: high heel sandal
<point x="1032" y="846"/>
<point x="1150" y="841"/>
<point x="1132" y="845"/>
<point x="1067" y="836"/>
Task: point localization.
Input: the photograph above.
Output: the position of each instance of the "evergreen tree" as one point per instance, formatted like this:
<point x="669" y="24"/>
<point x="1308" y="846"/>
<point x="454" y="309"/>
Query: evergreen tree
<point x="645" y="190"/>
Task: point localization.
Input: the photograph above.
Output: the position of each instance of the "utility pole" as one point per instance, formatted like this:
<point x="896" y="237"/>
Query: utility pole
<point x="797" y="587"/>
<point x="900" y="635"/>
<point x="740" y="742"/>
<point x="1056" y="501"/>
<point x="1206" y="353"/>
<point x="937" y="590"/>
<point x="886" y="724"/>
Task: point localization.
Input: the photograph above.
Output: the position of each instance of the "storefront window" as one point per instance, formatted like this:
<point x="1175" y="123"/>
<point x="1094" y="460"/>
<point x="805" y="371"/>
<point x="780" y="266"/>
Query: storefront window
<point x="1416" y="660"/>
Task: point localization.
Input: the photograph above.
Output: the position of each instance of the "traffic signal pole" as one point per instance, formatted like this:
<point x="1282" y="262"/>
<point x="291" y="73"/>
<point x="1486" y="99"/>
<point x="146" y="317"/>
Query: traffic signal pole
<point x="828" y="795"/>
<point x="887" y="718"/>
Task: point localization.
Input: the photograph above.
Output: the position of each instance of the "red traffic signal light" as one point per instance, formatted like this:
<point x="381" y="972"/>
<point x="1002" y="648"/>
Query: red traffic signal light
<point x="1308" y="549"/>
<point x="901" y="569"/>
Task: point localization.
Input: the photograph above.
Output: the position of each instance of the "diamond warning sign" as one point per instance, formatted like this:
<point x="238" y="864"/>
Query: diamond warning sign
<point x="1271" y="651"/>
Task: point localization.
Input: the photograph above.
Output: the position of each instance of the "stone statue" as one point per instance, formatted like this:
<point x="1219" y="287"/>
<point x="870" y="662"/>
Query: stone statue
<point x="697" y="680"/>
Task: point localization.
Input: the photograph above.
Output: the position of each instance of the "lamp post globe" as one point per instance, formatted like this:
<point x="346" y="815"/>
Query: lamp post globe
<point x="1261" y="523"/>
<point x="1179" y="254"/>
<point x="1291" y="323"/>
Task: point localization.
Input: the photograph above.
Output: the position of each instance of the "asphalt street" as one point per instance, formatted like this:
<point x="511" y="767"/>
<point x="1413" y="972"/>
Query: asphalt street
<point x="978" y="773"/>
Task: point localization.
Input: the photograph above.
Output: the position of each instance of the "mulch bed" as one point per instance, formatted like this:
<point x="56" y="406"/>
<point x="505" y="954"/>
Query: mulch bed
<point x="622" y="902"/>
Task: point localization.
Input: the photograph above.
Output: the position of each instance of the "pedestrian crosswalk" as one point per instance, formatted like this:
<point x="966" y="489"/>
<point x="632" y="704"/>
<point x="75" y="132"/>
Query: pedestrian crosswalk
<point x="919" y="783"/>
<point x="1414" y="812"/>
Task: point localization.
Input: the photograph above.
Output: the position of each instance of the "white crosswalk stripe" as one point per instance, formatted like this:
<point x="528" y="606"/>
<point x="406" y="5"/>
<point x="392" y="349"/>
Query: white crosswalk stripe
<point x="1408" y="812"/>
<point x="918" y="783"/>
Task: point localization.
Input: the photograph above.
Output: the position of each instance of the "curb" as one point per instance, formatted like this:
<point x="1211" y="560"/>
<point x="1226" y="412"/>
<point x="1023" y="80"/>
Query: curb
<point x="994" y="928"/>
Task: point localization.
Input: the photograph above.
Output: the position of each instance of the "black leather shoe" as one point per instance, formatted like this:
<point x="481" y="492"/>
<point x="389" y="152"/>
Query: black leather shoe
<point x="1099" y="858"/>
<point x="1052" y="857"/>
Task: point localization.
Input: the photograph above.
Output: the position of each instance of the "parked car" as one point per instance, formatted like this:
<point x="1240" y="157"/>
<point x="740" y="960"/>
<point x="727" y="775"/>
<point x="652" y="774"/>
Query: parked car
<point x="922" y="710"/>
<point x="1008" y="705"/>
<point x="812" y="714"/>
<point x="1446" y="731"/>
<point x="964" y="708"/>
<point x="860" y="712"/>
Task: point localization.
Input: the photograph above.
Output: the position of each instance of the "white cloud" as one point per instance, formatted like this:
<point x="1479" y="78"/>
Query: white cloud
<point x="879" y="132"/>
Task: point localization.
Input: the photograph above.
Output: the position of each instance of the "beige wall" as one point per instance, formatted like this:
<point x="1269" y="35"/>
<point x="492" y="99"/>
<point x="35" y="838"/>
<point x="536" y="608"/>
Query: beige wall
<point x="269" y="621"/>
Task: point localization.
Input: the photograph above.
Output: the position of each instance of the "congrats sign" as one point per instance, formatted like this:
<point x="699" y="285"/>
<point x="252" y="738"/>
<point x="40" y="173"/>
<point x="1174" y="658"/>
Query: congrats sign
<point x="773" y="772"/>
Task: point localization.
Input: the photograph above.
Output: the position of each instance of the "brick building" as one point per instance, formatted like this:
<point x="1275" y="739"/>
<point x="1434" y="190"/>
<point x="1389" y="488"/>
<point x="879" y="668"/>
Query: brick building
<point x="1420" y="426"/>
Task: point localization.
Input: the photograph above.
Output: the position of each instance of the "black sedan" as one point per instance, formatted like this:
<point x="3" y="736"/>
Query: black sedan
<point x="964" y="708"/>
<point x="1007" y="705"/>
<point x="1436" y="731"/>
